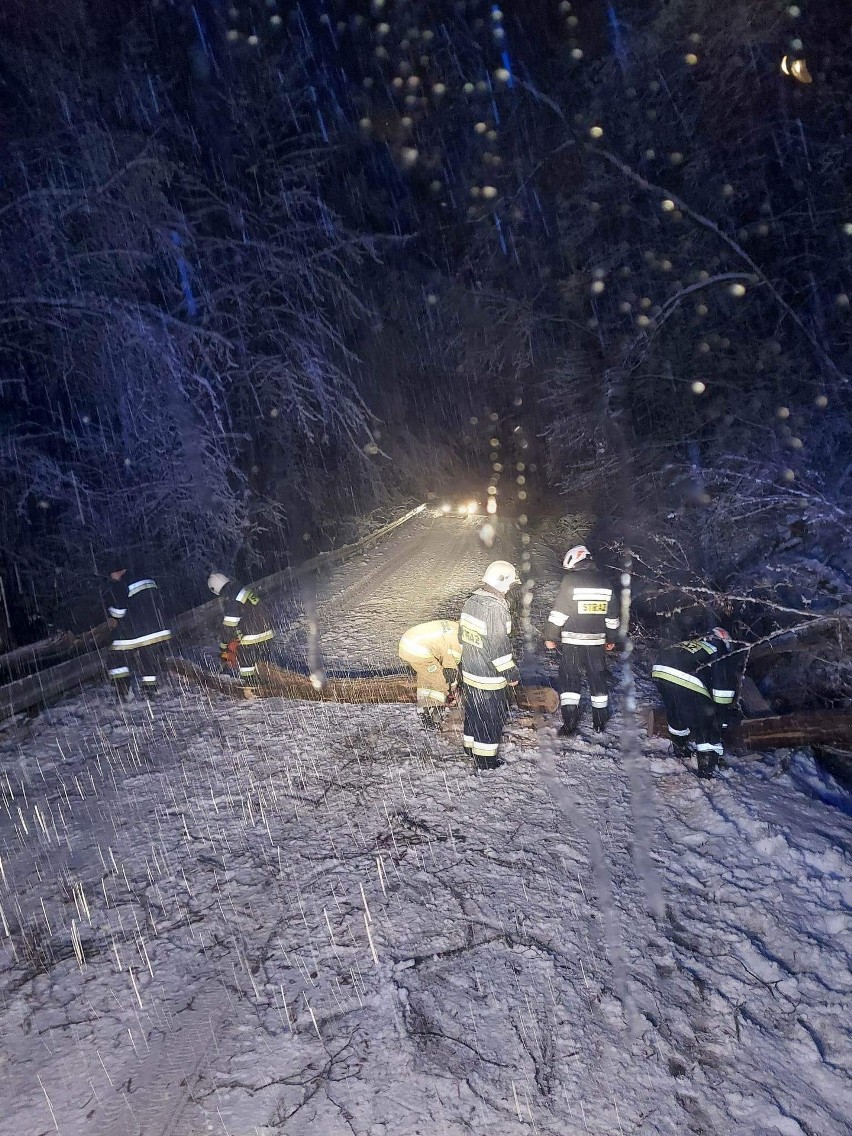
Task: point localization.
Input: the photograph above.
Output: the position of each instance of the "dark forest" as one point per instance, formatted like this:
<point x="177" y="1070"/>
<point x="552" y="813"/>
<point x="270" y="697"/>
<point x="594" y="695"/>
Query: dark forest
<point x="271" y="269"/>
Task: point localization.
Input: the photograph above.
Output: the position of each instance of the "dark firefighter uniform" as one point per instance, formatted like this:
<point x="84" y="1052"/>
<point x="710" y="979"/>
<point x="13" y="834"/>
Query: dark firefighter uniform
<point x="430" y="649"/>
<point x="584" y="619"/>
<point x="487" y="667"/>
<point x="698" y="683"/>
<point x="139" y="640"/>
<point x="246" y="629"/>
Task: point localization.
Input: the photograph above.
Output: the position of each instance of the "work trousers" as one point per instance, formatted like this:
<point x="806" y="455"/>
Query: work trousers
<point x="432" y="685"/>
<point x="142" y="665"/>
<point x="575" y="662"/>
<point x="485" y="714"/>
<point x="692" y="717"/>
<point x="248" y="656"/>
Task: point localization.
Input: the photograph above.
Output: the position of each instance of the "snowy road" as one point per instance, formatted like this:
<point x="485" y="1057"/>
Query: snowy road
<point x="283" y="918"/>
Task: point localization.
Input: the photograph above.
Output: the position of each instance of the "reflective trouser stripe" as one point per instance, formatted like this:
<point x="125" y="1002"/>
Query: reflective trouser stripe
<point x="467" y="741"/>
<point x="600" y="700"/>
<point x="247" y="672"/>
<point x="149" y="680"/>
<point x="580" y="639"/>
<point x="254" y="639"/>
<point x="426" y="694"/>
<point x="723" y="697"/>
<point x="709" y="747"/>
<point x="569" y="699"/>
<point x="119" y="672"/>
<point x="678" y="733"/>
<point x="612" y="623"/>
<point x="485" y="749"/>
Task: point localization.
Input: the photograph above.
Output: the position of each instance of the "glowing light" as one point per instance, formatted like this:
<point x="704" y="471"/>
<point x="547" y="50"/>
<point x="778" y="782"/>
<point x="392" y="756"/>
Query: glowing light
<point x="668" y="205"/>
<point x="491" y="507"/>
<point x="472" y="508"/>
<point x="737" y="289"/>
<point x="596" y="132"/>
<point x="797" y="69"/>
<point x="698" y="387"/>
<point x="446" y="507"/>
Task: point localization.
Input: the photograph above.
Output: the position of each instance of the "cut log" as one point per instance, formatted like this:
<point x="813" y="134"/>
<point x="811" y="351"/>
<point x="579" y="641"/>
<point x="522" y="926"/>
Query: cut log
<point x="291" y="684"/>
<point x="807" y="728"/>
<point x="45" y="685"/>
<point x="230" y="687"/>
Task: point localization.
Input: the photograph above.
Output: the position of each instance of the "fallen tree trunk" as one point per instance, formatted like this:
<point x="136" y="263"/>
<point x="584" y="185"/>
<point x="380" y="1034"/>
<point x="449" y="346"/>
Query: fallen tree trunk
<point x="210" y="681"/>
<point x="291" y="684"/>
<point x="807" y="728"/>
<point x="55" y="648"/>
<point x="276" y="682"/>
<point x="45" y="685"/>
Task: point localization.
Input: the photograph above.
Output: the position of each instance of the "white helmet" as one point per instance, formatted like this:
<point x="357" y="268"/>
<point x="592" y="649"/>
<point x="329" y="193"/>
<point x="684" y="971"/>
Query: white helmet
<point x="720" y="633"/>
<point x="216" y="582"/>
<point x="500" y="575"/>
<point x="575" y="555"/>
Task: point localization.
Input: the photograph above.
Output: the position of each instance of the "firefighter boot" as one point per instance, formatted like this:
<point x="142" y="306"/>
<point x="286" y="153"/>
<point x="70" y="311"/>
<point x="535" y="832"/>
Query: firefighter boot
<point x="570" y="721"/>
<point x="123" y="690"/>
<point x="706" y="765"/>
<point x="431" y="717"/>
<point x="485" y="763"/>
<point x="600" y="717"/>
<point x="680" y="749"/>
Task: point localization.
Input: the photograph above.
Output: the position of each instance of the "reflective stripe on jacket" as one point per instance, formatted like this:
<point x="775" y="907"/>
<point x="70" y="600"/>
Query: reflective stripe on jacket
<point x="585" y="613"/>
<point x="702" y="665"/>
<point x="487" y="662"/>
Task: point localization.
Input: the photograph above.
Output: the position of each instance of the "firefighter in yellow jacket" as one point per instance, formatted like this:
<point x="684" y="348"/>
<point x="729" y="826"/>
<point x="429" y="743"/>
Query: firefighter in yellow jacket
<point x="431" y="649"/>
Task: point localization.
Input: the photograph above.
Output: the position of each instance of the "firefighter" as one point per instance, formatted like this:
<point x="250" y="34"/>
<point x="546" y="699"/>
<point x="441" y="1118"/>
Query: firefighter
<point x="698" y="682"/>
<point x="431" y="650"/>
<point x="585" y="619"/>
<point x="487" y="664"/>
<point x="246" y="627"/>
<point x="135" y="605"/>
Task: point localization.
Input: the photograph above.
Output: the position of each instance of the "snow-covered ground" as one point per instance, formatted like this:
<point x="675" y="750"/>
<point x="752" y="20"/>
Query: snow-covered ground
<point x="271" y="917"/>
